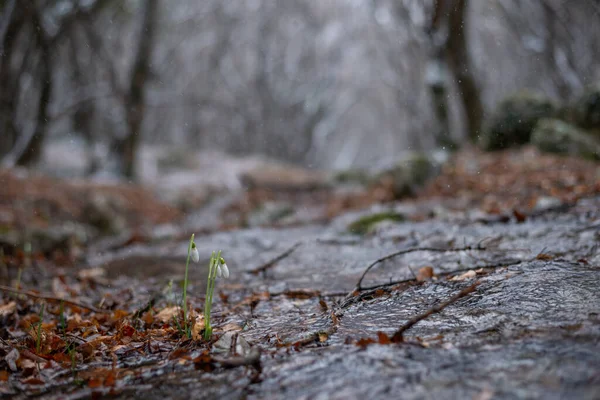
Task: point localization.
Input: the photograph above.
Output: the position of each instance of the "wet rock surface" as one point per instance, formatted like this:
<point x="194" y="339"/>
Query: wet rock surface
<point x="483" y="286"/>
<point x="530" y="329"/>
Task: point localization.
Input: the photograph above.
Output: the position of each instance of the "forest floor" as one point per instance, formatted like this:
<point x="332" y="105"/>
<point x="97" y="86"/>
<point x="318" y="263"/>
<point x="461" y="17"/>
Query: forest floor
<point x="483" y="285"/>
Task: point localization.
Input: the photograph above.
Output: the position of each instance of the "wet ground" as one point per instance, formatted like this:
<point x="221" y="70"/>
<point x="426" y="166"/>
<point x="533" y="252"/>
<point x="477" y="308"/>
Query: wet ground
<point x="531" y="328"/>
<point x="440" y="299"/>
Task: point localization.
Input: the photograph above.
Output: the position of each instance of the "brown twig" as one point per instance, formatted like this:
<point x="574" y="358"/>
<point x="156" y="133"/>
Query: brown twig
<point x="273" y="261"/>
<point x="51" y="298"/>
<point x="367" y="293"/>
<point x="252" y="358"/>
<point x="398" y="336"/>
<point x="444" y="274"/>
<point x="411" y="250"/>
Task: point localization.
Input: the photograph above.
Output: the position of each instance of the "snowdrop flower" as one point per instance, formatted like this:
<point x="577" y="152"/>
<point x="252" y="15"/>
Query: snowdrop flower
<point x="219" y="272"/>
<point x="224" y="270"/>
<point x="195" y="255"/>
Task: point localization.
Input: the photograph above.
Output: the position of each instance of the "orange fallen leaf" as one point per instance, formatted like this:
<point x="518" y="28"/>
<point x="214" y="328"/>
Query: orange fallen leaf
<point x="95" y="382"/>
<point x="118" y="314"/>
<point x="462" y="277"/>
<point x="127" y="330"/>
<point x="364" y="342"/>
<point x="424" y="274"/>
<point x="166" y="314"/>
<point x="383" y="338"/>
<point x="3" y="375"/>
<point x="148" y="318"/>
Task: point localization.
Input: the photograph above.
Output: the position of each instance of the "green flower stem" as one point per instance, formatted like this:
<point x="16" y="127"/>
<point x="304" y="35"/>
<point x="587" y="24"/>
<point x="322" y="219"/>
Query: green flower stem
<point x="185" y="285"/>
<point x="207" y="327"/>
<point x="38" y="339"/>
<point x="210" y="288"/>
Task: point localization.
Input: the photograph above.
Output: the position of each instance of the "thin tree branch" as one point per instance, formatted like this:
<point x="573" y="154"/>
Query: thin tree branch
<point x="50" y="298"/>
<point x="412" y="250"/>
<point x="275" y="260"/>
<point x="399" y="335"/>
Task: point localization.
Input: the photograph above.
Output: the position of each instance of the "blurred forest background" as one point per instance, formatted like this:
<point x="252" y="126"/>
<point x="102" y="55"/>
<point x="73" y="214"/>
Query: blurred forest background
<point x="328" y="84"/>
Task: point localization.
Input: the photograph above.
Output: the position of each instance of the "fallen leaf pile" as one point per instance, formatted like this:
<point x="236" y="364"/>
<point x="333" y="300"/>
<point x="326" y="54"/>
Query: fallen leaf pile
<point x="516" y="179"/>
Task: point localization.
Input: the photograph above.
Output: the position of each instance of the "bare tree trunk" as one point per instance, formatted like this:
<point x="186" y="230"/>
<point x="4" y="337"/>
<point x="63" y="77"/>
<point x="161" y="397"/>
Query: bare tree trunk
<point x="7" y="12"/>
<point x="460" y="64"/>
<point x="32" y="151"/>
<point x="82" y="118"/>
<point x="436" y="75"/>
<point x="449" y="52"/>
<point x="9" y="28"/>
<point x="135" y="99"/>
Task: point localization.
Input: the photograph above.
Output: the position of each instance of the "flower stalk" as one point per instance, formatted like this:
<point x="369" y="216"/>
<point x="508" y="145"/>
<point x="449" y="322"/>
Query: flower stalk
<point x="217" y="268"/>
<point x="193" y="253"/>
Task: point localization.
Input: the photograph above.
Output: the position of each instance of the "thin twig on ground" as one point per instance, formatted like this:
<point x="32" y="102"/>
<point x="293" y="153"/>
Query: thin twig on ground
<point x="399" y="334"/>
<point x="368" y="292"/>
<point x="275" y="260"/>
<point x="411" y="250"/>
<point x="51" y="298"/>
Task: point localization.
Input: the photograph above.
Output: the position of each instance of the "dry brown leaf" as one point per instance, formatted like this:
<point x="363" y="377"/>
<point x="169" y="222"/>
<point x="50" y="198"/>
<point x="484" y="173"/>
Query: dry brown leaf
<point x="8" y="309"/>
<point x="335" y="319"/>
<point x="424" y="274"/>
<point x="462" y="277"/>
<point x="198" y="327"/>
<point x="364" y="342"/>
<point x="148" y="318"/>
<point x="485" y="394"/>
<point x="58" y="288"/>
<point x="12" y="358"/>
<point x="383" y="338"/>
<point x="116" y="348"/>
<point x="27" y="365"/>
<point x="91" y="273"/>
<point x="32" y="381"/>
<point x="231" y="327"/>
<point x="166" y="314"/>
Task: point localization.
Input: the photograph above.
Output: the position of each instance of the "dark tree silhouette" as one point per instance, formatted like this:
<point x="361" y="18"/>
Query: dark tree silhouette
<point x="135" y="98"/>
<point x="449" y="52"/>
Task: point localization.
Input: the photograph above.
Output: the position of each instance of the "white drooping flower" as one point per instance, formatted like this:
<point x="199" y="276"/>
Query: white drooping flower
<point x="219" y="272"/>
<point x="224" y="269"/>
<point x="195" y="255"/>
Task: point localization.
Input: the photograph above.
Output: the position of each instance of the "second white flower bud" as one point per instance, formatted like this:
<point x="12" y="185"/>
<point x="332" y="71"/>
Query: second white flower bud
<point x="195" y="255"/>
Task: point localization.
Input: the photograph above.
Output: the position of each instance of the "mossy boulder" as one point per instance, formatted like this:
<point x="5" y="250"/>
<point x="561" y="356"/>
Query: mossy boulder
<point x="513" y="121"/>
<point x="367" y="223"/>
<point x="105" y="213"/>
<point x="587" y="109"/>
<point x="352" y="177"/>
<point x="270" y="213"/>
<point x="556" y="136"/>
<point x="411" y="171"/>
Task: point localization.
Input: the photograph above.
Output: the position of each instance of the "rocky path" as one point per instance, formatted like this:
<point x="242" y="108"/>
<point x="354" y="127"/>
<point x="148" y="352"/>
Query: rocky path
<point x="434" y="297"/>
<point x="530" y="329"/>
